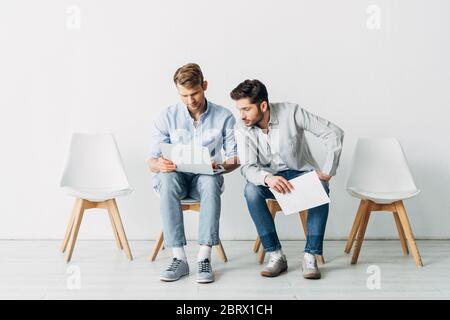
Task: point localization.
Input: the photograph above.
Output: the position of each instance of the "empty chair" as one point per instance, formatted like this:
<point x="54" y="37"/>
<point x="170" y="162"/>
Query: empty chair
<point x="381" y="178"/>
<point x="95" y="176"/>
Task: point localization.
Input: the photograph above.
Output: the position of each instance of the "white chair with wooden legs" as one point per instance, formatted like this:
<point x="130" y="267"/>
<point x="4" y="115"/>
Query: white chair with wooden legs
<point x="95" y="176"/>
<point x="274" y="208"/>
<point x="187" y="204"/>
<point x="381" y="179"/>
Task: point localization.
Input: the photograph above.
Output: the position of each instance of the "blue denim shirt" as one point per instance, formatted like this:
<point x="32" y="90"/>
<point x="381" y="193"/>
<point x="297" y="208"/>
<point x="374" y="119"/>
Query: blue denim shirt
<point x="215" y="130"/>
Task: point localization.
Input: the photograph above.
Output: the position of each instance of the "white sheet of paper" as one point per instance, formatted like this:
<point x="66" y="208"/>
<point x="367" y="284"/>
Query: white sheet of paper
<point x="308" y="193"/>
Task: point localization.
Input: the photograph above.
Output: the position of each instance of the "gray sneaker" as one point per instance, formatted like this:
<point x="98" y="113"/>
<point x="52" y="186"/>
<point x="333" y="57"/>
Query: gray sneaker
<point x="205" y="273"/>
<point x="310" y="269"/>
<point x="177" y="269"/>
<point x="275" y="267"/>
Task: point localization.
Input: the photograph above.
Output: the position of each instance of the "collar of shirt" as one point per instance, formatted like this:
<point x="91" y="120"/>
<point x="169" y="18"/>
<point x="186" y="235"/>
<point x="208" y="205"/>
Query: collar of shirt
<point x="202" y="116"/>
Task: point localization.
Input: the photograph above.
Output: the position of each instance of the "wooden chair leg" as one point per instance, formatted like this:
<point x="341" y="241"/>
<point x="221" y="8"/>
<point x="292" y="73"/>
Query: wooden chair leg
<point x="116" y="235"/>
<point x="76" y="208"/>
<point x="158" y="245"/>
<point x="304" y="219"/>
<point x="75" y="228"/>
<point x="361" y="232"/>
<point x="112" y="207"/>
<point x="257" y="244"/>
<point x="221" y="252"/>
<point x="361" y="209"/>
<point x="408" y="232"/>
<point x="261" y="255"/>
<point x="320" y="259"/>
<point x="273" y="206"/>
<point x="401" y="234"/>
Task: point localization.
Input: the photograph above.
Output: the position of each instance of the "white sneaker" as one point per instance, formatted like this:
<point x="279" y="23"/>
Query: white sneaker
<point x="276" y="266"/>
<point x="309" y="267"/>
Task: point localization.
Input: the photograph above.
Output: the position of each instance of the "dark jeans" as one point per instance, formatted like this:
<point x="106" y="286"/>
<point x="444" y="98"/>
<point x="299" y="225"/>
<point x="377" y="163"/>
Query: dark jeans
<point x="256" y="202"/>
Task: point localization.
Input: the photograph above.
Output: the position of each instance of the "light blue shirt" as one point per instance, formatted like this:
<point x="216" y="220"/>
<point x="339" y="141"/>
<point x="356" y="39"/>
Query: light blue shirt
<point x="215" y="130"/>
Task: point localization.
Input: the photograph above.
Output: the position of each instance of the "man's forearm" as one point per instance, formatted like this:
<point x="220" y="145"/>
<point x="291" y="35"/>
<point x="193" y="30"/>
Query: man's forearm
<point x="253" y="174"/>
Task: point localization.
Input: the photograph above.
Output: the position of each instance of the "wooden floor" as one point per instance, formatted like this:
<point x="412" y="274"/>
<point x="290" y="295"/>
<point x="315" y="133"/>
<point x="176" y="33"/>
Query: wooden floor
<point x="36" y="270"/>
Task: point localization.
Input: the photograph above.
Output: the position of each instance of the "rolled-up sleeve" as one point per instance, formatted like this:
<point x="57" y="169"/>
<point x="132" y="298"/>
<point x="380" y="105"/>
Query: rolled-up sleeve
<point x="159" y="134"/>
<point x="331" y="134"/>
<point x="229" y="141"/>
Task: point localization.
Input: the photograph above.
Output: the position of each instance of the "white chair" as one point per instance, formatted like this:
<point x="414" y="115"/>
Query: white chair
<point x="187" y="204"/>
<point x="95" y="176"/>
<point x="380" y="177"/>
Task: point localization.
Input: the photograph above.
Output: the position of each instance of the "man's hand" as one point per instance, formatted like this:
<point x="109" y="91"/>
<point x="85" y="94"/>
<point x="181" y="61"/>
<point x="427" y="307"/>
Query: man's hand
<point x="165" y="165"/>
<point x="323" y="176"/>
<point x="229" y="164"/>
<point x="278" y="183"/>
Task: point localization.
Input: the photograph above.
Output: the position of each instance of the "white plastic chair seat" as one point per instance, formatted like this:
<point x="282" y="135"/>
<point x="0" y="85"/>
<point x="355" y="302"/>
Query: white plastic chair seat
<point x="382" y="197"/>
<point x="94" y="170"/>
<point x="380" y="172"/>
<point x="96" y="194"/>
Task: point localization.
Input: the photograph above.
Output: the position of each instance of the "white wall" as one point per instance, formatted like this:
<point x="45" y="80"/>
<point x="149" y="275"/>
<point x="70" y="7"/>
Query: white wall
<point x="114" y="74"/>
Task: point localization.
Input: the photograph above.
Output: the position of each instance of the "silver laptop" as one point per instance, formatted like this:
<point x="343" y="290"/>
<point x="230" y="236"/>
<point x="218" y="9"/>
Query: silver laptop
<point x="189" y="158"/>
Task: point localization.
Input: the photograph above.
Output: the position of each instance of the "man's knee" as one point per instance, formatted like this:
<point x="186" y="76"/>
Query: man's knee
<point x="209" y="183"/>
<point x="252" y="192"/>
<point x="169" y="181"/>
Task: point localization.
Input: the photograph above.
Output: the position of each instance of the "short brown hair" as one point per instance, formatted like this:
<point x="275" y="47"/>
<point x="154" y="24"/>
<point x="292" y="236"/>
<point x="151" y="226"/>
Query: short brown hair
<point x="254" y="90"/>
<point x="190" y="75"/>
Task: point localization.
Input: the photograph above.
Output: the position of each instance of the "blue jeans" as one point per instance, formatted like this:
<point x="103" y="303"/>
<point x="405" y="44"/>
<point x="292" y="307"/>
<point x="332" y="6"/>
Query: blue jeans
<point x="174" y="186"/>
<point x="256" y="202"/>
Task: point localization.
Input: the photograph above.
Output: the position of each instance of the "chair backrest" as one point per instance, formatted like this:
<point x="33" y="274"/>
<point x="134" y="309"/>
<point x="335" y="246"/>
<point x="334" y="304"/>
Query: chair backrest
<point x="379" y="165"/>
<point x="94" y="162"/>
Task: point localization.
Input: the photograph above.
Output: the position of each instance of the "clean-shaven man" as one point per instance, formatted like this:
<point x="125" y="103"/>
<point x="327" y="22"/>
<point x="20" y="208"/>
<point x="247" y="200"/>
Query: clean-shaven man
<point x="272" y="149"/>
<point x="197" y="121"/>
